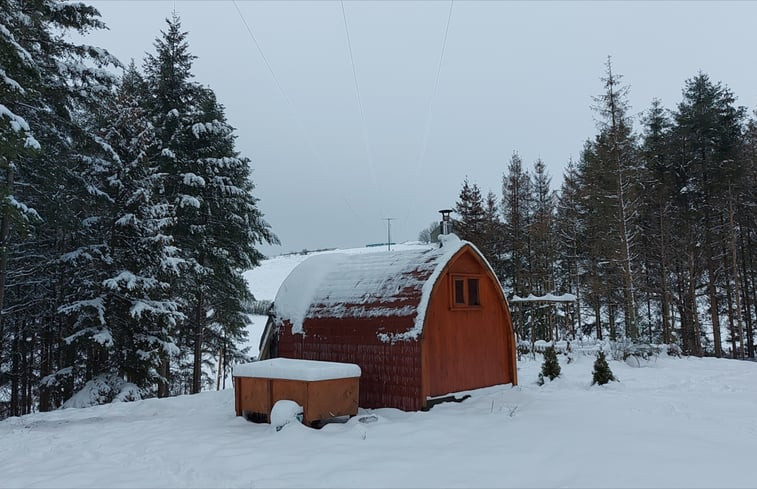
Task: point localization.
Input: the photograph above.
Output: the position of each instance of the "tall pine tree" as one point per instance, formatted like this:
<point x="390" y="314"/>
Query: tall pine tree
<point x="48" y="83"/>
<point x="217" y="221"/>
<point x="516" y="209"/>
<point x="614" y="149"/>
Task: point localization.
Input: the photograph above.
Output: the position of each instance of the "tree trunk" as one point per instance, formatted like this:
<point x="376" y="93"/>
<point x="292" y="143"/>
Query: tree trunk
<point x="199" y="328"/>
<point x="689" y="324"/>
<point x="623" y="213"/>
<point x="747" y="295"/>
<point x="45" y="368"/>
<point x="751" y="298"/>
<point x="598" y="319"/>
<point x="665" y="294"/>
<point x="595" y="298"/>
<point x="736" y="279"/>
<point x="28" y="370"/>
<point x="14" y="374"/>
<point x="611" y="321"/>
<point x="578" y="290"/>
<point x="4" y="252"/>
<point x="648" y="294"/>
<point x="731" y="328"/>
<point x="713" y="299"/>
<point x="219" y="369"/>
<point x="165" y="373"/>
<point x="23" y="370"/>
<point x="628" y="287"/>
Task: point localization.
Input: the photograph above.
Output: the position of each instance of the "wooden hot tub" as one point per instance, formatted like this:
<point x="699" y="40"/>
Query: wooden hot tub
<point x="323" y="389"/>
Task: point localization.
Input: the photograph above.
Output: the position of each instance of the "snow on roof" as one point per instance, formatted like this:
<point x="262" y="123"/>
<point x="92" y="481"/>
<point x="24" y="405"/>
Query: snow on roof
<point x="265" y="280"/>
<point x="291" y="369"/>
<point x="338" y="285"/>
<point x="545" y="298"/>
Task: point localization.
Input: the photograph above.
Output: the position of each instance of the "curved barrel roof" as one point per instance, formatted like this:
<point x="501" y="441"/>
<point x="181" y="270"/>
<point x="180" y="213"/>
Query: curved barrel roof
<point x="341" y="285"/>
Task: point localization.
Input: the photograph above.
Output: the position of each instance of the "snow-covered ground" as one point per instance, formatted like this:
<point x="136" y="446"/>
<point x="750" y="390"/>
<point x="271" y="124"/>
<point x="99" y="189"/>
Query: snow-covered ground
<point x="674" y="423"/>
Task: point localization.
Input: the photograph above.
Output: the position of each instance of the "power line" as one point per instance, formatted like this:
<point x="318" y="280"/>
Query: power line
<point x="429" y="113"/>
<point x="262" y="55"/>
<point x="288" y="101"/>
<point x="359" y="98"/>
<point x="433" y="93"/>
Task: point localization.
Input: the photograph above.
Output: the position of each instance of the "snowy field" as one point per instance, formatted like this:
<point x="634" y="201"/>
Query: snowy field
<point x="673" y="423"/>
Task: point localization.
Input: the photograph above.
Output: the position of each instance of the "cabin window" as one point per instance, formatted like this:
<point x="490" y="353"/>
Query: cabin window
<point x="459" y="292"/>
<point x="465" y="292"/>
<point x="473" y="292"/>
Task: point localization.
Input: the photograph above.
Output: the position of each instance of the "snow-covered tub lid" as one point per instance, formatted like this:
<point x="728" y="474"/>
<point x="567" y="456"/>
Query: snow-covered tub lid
<point x="291" y="369"/>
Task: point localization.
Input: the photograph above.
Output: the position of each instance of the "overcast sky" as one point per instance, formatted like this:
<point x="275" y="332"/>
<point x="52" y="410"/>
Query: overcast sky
<point x="514" y="77"/>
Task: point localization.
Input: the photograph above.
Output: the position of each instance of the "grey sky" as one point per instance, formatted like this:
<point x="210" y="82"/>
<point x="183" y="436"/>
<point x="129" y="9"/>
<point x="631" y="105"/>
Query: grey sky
<point x="515" y="76"/>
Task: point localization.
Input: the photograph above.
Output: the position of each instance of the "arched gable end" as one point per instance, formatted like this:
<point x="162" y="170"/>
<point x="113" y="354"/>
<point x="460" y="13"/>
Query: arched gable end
<point x="467" y="340"/>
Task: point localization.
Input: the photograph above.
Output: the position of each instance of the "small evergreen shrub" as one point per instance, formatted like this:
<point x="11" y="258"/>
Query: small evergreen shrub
<point x="551" y="367"/>
<point x="602" y="373"/>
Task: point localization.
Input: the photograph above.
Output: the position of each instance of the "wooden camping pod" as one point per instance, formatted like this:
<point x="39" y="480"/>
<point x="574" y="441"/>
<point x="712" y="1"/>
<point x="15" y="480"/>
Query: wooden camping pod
<point x="421" y="324"/>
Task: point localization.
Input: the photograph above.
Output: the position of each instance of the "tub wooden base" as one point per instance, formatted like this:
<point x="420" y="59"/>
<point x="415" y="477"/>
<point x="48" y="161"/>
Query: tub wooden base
<point x="320" y="399"/>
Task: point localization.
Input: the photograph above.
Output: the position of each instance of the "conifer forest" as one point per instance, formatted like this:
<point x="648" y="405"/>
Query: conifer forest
<point x="653" y="228"/>
<point x="127" y="217"/>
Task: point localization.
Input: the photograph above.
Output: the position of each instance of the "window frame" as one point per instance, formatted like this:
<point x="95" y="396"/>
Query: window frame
<point x="465" y="278"/>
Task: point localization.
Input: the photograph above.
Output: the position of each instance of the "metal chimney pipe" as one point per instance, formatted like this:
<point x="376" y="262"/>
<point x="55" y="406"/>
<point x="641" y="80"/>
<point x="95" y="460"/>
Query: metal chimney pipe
<point x="445" y="227"/>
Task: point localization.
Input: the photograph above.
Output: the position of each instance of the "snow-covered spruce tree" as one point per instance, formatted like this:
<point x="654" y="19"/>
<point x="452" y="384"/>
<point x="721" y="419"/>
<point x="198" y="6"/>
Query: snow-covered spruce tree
<point x="493" y="245"/>
<point x="570" y="239"/>
<point x="602" y="373"/>
<point x="657" y="229"/>
<point x="470" y="208"/>
<point x="217" y="221"/>
<point x="616" y="151"/>
<point x="46" y="81"/>
<point x="516" y="209"/>
<point x="542" y="231"/>
<point x="479" y="223"/>
<point x="223" y="231"/>
<point x="172" y="108"/>
<point x="17" y="75"/>
<point x="706" y="137"/>
<point x="124" y="303"/>
<point x="609" y="175"/>
<point x="540" y="237"/>
<point x="550" y="368"/>
<point x="516" y="214"/>
<point x="144" y="259"/>
<point x="596" y="270"/>
<point x="742" y="228"/>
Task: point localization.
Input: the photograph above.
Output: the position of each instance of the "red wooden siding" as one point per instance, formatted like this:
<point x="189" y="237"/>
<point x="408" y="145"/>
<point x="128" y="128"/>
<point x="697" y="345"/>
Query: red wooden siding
<point x="460" y="348"/>
<point x="391" y="374"/>
<point x="471" y="347"/>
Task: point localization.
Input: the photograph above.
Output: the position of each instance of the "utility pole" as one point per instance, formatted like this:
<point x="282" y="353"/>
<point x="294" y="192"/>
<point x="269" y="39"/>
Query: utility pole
<point x="389" y="232"/>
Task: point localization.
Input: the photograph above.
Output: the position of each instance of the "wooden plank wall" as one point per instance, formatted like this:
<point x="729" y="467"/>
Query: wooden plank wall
<point x="459" y="349"/>
<point x="391" y="374"/>
<point x="468" y="348"/>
